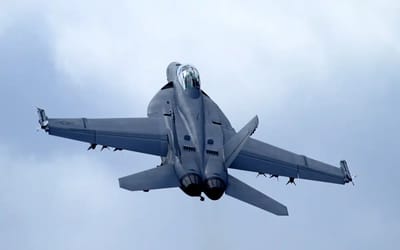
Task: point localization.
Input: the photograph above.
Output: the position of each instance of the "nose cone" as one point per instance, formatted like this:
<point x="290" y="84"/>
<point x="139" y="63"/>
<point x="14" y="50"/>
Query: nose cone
<point x="171" y="71"/>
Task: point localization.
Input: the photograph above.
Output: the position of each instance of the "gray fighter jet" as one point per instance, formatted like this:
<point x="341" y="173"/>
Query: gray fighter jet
<point x="197" y="145"/>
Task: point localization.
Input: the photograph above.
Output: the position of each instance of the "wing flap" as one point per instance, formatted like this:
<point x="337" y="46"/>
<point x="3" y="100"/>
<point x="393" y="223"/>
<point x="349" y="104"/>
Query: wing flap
<point x="245" y="193"/>
<point x="155" y="178"/>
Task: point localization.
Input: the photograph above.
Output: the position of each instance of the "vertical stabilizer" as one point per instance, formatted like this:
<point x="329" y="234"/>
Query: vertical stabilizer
<point x="235" y="144"/>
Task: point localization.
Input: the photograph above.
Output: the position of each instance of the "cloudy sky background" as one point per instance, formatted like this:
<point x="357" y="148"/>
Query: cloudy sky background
<point x="323" y="78"/>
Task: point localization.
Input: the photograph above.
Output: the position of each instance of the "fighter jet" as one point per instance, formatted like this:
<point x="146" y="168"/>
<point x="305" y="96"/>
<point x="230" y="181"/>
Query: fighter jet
<point x="197" y="145"/>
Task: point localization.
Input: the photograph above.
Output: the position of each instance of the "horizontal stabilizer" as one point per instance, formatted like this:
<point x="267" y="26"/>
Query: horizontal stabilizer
<point x="244" y="192"/>
<point x="156" y="178"/>
<point x="235" y="144"/>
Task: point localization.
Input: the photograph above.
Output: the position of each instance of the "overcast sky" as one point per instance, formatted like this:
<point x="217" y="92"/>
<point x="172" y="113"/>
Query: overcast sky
<point x="322" y="77"/>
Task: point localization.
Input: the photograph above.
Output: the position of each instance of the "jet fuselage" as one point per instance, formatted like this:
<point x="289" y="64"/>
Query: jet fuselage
<point x="196" y="136"/>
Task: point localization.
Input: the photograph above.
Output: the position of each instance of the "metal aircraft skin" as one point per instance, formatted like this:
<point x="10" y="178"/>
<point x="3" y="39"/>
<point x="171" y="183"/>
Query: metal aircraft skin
<point x="197" y="145"/>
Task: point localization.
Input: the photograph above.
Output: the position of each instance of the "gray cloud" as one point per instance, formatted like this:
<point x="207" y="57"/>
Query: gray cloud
<point x="323" y="80"/>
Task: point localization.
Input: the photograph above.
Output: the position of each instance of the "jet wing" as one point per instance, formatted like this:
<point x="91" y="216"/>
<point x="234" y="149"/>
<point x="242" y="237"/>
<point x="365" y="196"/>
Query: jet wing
<point x="263" y="158"/>
<point x="145" y="135"/>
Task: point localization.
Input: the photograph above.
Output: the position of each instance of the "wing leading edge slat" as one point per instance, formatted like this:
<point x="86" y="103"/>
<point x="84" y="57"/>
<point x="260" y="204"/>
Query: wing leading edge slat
<point x="261" y="157"/>
<point x="145" y="135"/>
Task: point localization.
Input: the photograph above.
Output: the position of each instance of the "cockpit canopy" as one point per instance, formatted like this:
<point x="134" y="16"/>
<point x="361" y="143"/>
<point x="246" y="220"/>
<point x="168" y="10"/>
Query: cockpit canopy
<point x="189" y="77"/>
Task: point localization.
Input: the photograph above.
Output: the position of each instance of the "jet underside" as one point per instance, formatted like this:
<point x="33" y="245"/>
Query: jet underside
<point x="197" y="145"/>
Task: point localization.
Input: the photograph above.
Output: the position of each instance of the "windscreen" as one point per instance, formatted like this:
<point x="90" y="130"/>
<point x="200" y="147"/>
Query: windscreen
<point x="189" y="77"/>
